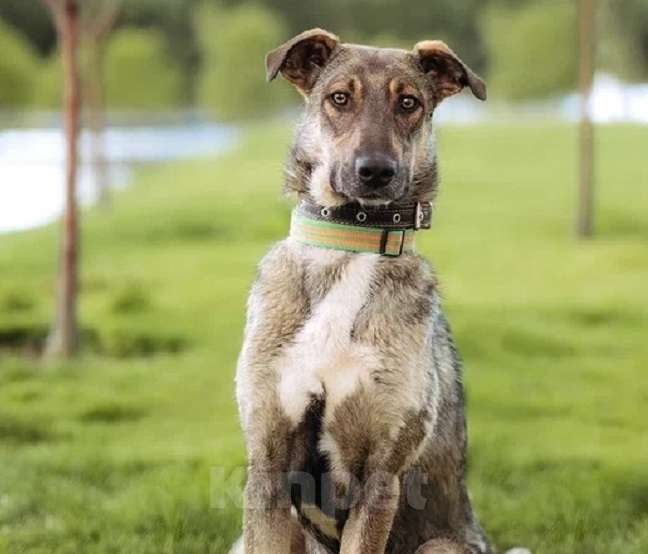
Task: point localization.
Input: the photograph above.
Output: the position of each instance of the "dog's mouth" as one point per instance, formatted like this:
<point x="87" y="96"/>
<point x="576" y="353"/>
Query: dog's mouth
<point x="347" y="188"/>
<point x="374" y="200"/>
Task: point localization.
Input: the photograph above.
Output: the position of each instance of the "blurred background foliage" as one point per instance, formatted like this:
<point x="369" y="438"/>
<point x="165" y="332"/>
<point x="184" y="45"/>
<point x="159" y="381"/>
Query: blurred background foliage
<point x="192" y="49"/>
<point x="140" y="56"/>
<point x="221" y="34"/>
<point x="47" y="83"/>
<point x="17" y="68"/>
<point x="530" y="49"/>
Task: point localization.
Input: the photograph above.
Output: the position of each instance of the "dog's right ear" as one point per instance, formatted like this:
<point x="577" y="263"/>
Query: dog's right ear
<point x="302" y="58"/>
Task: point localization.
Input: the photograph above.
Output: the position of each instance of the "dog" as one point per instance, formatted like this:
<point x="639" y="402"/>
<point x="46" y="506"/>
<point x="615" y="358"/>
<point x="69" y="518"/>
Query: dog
<point x="349" y="385"/>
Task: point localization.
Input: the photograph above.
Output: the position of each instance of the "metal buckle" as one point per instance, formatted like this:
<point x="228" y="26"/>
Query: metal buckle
<point x="383" y="241"/>
<point x="385" y="238"/>
<point x="402" y="242"/>
<point x="418" y="216"/>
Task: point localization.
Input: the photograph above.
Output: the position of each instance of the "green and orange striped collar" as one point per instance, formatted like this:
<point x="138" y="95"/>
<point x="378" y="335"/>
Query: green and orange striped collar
<point x="387" y="240"/>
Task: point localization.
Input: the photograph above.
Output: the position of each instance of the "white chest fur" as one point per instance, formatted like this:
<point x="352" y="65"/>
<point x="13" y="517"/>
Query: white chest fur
<point x="323" y="358"/>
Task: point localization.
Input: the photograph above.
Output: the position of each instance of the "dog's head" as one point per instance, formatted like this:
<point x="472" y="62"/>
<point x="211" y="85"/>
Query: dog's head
<point x="367" y="131"/>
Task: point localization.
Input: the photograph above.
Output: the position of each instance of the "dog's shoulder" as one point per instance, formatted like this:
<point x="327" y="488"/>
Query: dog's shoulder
<point x="280" y="264"/>
<point x="277" y="304"/>
<point x="291" y="268"/>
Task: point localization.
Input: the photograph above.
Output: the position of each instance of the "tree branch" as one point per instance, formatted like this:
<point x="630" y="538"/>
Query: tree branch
<point x="98" y="22"/>
<point x="56" y="8"/>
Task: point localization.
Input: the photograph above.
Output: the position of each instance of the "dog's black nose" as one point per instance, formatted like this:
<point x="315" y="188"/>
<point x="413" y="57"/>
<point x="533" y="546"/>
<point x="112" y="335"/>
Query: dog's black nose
<point x="375" y="170"/>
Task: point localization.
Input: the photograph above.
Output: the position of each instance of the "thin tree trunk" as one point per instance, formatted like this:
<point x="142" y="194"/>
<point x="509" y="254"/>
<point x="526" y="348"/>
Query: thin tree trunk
<point x="95" y="103"/>
<point x="63" y="338"/>
<point x="585" y="220"/>
<point x="98" y="19"/>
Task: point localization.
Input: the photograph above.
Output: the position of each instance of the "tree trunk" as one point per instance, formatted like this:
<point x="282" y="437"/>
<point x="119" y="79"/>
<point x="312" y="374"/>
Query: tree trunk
<point x="63" y="338"/>
<point x="95" y="103"/>
<point x="585" y="221"/>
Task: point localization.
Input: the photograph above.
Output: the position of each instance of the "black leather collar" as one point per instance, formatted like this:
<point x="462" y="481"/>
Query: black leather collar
<point x="412" y="215"/>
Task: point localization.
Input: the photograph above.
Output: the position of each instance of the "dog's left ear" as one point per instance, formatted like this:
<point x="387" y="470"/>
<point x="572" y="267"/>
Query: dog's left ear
<point x="451" y="75"/>
<point x="302" y="58"/>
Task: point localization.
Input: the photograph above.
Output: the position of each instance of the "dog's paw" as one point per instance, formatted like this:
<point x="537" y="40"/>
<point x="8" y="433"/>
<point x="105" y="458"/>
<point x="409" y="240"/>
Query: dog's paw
<point x="518" y="550"/>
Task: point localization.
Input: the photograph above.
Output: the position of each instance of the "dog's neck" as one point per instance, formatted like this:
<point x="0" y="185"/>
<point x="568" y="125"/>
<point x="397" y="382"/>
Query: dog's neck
<point x="385" y="230"/>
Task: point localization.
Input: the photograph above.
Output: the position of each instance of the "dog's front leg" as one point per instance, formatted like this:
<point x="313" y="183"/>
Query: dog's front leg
<point x="371" y="516"/>
<point x="267" y="518"/>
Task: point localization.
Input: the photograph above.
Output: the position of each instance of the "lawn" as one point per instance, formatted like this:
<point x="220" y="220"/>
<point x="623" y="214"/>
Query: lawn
<point x="135" y="446"/>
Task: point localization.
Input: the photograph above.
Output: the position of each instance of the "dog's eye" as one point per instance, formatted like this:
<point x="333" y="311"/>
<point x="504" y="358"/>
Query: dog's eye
<point x="340" y="98"/>
<point x="408" y="103"/>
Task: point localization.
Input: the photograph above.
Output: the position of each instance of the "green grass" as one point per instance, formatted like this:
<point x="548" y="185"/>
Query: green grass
<point x="135" y="447"/>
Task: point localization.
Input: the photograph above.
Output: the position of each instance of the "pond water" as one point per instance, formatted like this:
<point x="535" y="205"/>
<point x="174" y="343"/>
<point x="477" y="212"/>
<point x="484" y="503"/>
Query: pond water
<point x="32" y="164"/>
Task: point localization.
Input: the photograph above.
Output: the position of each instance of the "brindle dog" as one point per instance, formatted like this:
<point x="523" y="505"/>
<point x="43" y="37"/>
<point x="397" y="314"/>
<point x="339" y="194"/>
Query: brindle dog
<point x="349" y="385"/>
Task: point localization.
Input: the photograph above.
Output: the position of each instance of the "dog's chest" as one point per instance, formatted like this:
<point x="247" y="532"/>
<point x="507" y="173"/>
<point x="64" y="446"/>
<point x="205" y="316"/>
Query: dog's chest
<point x="324" y="360"/>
